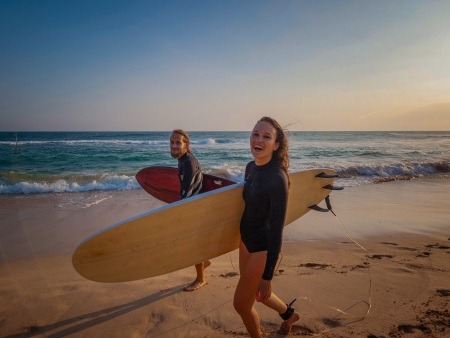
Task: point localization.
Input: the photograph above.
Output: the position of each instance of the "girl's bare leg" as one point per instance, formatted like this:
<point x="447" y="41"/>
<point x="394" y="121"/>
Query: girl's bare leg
<point x="278" y="305"/>
<point x="251" y="267"/>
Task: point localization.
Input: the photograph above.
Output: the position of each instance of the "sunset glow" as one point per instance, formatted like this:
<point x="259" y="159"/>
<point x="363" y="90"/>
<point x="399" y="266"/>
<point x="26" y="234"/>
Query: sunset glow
<point x="159" y="65"/>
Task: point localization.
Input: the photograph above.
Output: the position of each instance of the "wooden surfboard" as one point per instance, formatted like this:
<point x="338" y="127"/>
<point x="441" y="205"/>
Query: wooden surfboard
<point x="163" y="183"/>
<point x="184" y="233"/>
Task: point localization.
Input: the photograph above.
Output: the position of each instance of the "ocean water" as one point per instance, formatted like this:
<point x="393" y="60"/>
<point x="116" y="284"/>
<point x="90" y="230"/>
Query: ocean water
<point x="71" y="162"/>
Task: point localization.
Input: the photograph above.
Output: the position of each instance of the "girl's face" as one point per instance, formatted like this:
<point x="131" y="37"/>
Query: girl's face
<point x="263" y="142"/>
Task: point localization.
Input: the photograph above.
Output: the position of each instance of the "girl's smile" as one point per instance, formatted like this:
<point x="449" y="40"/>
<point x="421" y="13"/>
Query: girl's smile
<point x="263" y="142"/>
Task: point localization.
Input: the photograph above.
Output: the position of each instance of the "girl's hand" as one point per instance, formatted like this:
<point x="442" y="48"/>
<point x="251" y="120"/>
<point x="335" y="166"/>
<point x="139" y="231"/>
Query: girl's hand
<point x="264" y="290"/>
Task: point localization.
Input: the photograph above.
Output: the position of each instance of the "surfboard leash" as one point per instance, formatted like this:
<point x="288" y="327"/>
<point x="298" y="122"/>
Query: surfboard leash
<point x="340" y="311"/>
<point x="369" y="302"/>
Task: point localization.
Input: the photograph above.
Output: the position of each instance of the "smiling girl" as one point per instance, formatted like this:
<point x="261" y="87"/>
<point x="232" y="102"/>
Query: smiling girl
<point x="265" y="195"/>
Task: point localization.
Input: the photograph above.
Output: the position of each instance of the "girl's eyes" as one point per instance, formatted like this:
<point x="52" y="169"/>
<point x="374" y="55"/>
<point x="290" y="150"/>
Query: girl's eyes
<point x="267" y="137"/>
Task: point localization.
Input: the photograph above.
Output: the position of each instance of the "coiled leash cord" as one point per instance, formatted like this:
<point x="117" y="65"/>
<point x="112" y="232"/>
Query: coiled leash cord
<point x="290" y="309"/>
<point x="369" y="302"/>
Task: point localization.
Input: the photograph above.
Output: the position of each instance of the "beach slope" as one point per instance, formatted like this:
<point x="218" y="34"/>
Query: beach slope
<point x="403" y="277"/>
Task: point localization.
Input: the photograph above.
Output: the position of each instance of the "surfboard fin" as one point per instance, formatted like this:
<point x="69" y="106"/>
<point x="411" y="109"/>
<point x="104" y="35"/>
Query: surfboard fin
<point x="317" y="208"/>
<point x="325" y="175"/>
<point x="332" y="187"/>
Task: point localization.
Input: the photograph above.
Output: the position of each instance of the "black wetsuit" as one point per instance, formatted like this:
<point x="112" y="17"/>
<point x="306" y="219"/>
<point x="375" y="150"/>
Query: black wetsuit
<point x="190" y="175"/>
<point x="265" y="195"/>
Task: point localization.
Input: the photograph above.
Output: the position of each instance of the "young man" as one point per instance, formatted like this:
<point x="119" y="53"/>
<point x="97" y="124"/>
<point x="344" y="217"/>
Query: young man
<point x="191" y="177"/>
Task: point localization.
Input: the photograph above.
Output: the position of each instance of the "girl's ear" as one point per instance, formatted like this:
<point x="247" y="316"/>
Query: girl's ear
<point x="277" y="145"/>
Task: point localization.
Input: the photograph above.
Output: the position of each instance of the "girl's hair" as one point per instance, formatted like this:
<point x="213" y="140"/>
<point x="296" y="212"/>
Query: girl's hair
<point x="280" y="156"/>
<point x="185" y="137"/>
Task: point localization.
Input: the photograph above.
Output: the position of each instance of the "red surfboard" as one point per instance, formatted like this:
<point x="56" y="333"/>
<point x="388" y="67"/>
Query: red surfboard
<point x="163" y="183"/>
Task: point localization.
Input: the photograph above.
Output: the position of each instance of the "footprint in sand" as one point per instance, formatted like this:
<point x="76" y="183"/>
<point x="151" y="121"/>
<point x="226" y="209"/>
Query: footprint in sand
<point x="33" y="328"/>
<point x="271" y="330"/>
<point x="154" y="320"/>
<point x="407" y="248"/>
<point x="437" y="246"/>
<point x="423" y="254"/>
<point x="381" y="256"/>
<point x="297" y="330"/>
<point x="400" y="247"/>
<point x="443" y="292"/>
<point x="278" y="272"/>
<point x="315" y="266"/>
<point x="388" y="243"/>
<point x="229" y="274"/>
<point x="413" y="329"/>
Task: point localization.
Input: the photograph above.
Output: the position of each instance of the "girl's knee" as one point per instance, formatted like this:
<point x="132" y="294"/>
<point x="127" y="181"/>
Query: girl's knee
<point x="240" y="307"/>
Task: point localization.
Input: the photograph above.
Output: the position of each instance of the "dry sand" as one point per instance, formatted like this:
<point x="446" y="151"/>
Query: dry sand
<point x="404" y="276"/>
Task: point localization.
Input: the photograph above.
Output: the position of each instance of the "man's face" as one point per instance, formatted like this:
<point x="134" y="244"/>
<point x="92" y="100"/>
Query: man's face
<point x="178" y="147"/>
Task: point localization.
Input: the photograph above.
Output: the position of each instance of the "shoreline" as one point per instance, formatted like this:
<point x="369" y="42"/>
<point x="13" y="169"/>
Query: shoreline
<point x="404" y="275"/>
<point x="393" y="207"/>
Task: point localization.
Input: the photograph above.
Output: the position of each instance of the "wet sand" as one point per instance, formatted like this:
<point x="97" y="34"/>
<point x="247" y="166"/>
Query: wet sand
<point x="404" y="275"/>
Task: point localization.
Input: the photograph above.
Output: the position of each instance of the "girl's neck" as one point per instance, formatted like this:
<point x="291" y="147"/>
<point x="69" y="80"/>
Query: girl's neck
<point x="261" y="162"/>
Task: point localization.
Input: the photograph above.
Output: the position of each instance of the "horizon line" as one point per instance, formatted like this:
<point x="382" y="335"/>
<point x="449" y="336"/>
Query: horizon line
<point x="208" y="131"/>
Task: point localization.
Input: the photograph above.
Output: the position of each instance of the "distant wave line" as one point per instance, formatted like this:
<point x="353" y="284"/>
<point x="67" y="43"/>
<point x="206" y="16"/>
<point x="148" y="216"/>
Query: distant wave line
<point x="208" y="141"/>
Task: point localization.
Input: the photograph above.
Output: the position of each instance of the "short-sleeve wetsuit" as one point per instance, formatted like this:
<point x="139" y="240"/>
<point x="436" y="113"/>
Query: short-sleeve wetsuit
<point x="190" y="175"/>
<point x="265" y="195"/>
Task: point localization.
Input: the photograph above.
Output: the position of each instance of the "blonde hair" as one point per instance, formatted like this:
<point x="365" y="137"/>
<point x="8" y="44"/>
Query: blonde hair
<point x="186" y="137"/>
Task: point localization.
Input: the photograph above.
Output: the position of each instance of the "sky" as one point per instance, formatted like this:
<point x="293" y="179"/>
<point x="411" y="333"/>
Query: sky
<point x="221" y="65"/>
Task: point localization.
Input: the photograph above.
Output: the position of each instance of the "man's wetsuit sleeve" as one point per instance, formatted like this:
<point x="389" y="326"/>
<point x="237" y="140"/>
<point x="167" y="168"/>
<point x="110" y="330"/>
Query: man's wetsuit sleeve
<point x="191" y="176"/>
<point x="277" y="216"/>
<point x="188" y="173"/>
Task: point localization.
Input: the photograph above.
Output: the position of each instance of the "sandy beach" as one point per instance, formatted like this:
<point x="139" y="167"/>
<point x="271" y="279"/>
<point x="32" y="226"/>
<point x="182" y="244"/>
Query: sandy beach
<point x="403" y="278"/>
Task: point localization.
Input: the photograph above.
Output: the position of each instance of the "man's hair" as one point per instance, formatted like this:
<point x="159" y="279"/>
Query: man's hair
<point x="186" y="137"/>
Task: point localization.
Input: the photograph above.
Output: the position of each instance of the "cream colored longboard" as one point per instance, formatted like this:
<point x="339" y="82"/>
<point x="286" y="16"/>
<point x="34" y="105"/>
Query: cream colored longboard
<point x="183" y="233"/>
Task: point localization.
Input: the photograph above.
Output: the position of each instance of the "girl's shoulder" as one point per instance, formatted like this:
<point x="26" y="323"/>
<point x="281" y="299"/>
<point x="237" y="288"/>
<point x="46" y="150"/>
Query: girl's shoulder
<point x="250" y="165"/>
<point x="277" y="176"/>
